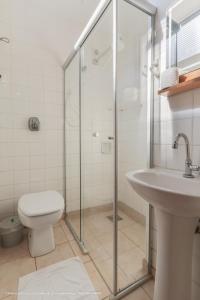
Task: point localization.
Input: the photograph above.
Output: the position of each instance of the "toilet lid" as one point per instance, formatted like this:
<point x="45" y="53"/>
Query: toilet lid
<point x="42" y="203"/>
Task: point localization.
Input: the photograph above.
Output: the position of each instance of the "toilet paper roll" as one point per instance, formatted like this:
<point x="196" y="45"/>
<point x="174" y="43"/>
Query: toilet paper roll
<point x="169" y="77"/>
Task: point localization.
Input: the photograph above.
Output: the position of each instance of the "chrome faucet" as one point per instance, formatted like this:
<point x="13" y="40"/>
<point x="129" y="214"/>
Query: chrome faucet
<point x="189" y="167"/>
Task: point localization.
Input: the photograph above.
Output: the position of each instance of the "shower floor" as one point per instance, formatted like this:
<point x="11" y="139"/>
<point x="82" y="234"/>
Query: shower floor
<point x="98" y="237"/>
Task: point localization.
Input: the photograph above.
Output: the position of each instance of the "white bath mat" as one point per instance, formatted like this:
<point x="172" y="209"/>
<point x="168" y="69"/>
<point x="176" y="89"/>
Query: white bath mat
<point x="66" y="280"/>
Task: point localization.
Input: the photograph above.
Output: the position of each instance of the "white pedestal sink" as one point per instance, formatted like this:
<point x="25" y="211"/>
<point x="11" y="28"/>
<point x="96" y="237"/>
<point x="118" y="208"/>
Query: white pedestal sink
<point x="177" y="206"/>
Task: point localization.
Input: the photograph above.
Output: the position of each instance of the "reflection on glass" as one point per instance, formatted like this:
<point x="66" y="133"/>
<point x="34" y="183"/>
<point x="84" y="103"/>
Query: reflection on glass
<point x="133" y="148"/>
<point x="97" y="156"/>
<point x="72" y="145"/>
<point x="91" y="144"/>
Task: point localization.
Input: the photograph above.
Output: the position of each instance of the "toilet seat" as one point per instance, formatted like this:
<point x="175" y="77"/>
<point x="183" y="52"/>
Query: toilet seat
<point x="40" y="204"/>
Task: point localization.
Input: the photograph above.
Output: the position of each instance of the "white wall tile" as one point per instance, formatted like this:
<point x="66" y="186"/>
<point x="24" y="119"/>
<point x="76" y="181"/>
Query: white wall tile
<point x="37" y="175"/>
<point x="21" y="163"/>
<point x="160" y="155"/>
<point x="21" y="189"/>
<point x="37" y="162"/>
<point x="181" y="106"/>
<point x="21" y="176"/>
<point x="176" y="126"/>
<point x="196" y="110"/>
<point x="196" y="131"/>
<point x="31" y="85"/>
<point x="6" y="192"/>
<point x="6" y="208"/>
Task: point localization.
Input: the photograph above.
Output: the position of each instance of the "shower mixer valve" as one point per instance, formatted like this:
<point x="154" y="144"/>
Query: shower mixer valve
<point x="34" y="124"/>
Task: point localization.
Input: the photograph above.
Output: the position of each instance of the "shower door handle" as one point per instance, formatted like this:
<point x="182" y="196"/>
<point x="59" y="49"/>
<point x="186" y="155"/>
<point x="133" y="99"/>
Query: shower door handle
<point x="111" y="137"/>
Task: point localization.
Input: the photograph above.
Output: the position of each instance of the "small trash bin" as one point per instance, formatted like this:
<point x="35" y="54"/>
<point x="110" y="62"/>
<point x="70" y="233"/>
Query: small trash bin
<point x="11" y="232"/>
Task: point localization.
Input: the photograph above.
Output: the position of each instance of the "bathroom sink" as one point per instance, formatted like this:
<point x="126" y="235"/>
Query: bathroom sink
<point x="176" y="201"/>
<point x="169" y="191"/>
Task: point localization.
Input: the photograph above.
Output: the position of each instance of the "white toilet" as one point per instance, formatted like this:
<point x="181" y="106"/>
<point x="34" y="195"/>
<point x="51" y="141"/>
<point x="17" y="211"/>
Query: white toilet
<point x="39" y="212"/>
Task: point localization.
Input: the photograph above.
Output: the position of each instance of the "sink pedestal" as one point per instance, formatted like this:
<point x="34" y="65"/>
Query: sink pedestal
<point x="174" y="256"/>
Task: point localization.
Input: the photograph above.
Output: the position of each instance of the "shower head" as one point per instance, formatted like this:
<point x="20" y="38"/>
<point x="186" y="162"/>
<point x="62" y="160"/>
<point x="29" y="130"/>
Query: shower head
<point x="5" y="39"/>
<point x="99" y="55"/>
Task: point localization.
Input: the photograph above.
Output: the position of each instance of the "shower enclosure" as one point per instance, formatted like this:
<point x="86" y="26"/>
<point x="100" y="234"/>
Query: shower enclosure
<point x="108" y="132"/>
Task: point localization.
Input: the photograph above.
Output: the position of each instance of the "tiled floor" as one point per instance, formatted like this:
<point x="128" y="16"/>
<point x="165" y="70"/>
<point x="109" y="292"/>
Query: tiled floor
<point x="98" y="238"/>
<point x="16" y="262"/>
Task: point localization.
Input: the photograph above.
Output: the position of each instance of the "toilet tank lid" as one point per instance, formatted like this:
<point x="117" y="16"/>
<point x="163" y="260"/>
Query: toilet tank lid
<point x="43" y="203"/>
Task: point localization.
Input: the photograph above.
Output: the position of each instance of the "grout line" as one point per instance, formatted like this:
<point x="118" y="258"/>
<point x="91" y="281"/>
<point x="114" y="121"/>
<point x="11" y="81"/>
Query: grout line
<point x="97" y="269"/>
<point x="35" y="264"/>
<point x="135" y="245"/>
<point x="146" y="291"/>
<point x="193" y="118"/>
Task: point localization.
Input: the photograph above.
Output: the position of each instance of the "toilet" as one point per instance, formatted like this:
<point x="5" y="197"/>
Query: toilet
<point x="39" y="212"/>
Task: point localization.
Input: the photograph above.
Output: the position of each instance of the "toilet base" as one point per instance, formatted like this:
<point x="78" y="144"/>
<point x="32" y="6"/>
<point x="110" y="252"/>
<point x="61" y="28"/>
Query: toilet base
<point x="41" y="241"/>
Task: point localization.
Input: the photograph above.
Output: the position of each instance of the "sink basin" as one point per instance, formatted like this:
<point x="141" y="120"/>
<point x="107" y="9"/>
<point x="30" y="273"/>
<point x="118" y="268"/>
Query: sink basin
<point x="168" y="191"/>
<point x="176" y="201"/>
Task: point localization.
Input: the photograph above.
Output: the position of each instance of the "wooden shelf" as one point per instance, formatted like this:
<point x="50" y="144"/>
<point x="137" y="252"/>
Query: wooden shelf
<point x="187" y="83"/>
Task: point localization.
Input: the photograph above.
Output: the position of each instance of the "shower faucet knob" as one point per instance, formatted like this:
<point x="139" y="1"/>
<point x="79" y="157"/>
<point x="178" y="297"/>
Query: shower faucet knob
<point x="34" y="124"/>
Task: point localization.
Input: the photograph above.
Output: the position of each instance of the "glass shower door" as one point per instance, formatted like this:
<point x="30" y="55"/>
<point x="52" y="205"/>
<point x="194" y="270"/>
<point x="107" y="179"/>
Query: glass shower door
<point x="133" y="129"/>
<point x="72" y="145"/>
<point x="98" y="150"/>
<point x="107" y="134"/>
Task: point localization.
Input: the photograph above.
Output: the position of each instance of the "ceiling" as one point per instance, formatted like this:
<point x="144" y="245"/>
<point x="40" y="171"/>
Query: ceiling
<point x="55" y="24"/>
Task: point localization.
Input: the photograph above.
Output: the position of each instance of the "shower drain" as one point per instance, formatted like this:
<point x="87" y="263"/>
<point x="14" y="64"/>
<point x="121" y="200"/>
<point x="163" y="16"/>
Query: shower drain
<point x="111" y="218"/>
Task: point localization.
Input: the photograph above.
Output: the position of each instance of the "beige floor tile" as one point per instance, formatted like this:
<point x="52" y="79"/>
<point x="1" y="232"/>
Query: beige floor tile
<point x="75" y="222"/>
<point x="59" y="235"/>
<point x="124" y="245"/>
<point x="62" y="252"/>
<point x="136" y="234"/>
<point x="131" y="263"/>
<point x="98" y="233"/>
<point x="91" y="241"/>
<point x="76" y="226"/>
<point x="10" y="273"/>
<point x="66" y="231"/>
<point x="95" y="248"/>
<point x="10" y="254"/>
<point x="77" y="251"/>
<point x="106" y="269"/>
<point x="99" y="254"/>
<point x="98" y="236"/>
<point x="149" y="288"/>
<point x="97" y="281"/>
<point x="126" y="221"/>
<point x="11" y="297"/>
<point x="100" y="224"/>
<point x="138" y="294"/>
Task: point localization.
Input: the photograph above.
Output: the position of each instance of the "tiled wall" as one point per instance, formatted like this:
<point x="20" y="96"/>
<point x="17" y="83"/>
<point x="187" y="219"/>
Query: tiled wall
<point x="31" y="85"/>
<point x="179" y="113"/>
<point x="172" y="115"/>
<point x="132" y="114"/>
<point x="97" y="116"/>
<point x="97" y="167"/>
